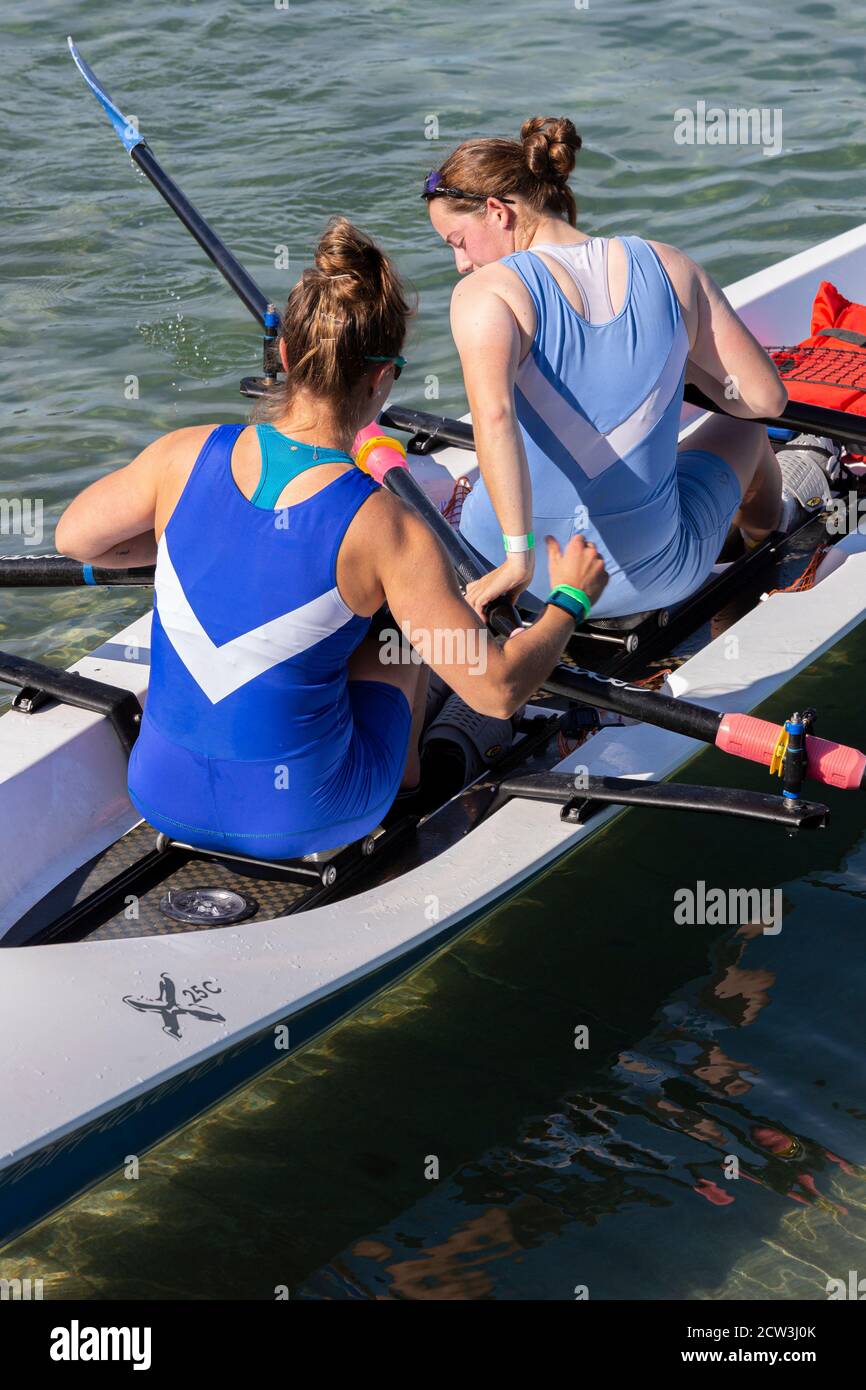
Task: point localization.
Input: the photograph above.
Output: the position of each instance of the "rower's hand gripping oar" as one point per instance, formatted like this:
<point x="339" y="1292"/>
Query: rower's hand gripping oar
<point x="141" y="154"/>
<point x="385" y="460"/>
<point x="791" y="750"/>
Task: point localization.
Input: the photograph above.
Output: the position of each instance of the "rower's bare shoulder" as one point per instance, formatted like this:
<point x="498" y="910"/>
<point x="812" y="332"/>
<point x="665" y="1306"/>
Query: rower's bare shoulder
<point x="388" y="527"/>
<point x="494" y="273"/>
<point x="384" y="520"/>
<point x="172" y="450"/>
<point x="182" y="444"/>
<point x="386" y="548"/>
<point x="489" y="308"/>
<point x="682" y="271"/>
<point x="688" y="280"/>
<point x="171" y="458"/>
<point x="495" y="279"/>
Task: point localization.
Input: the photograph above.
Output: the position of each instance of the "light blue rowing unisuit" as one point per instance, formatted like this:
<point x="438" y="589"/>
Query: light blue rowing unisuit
<point x="598" y="401"/>
<point x="253" y="739"/>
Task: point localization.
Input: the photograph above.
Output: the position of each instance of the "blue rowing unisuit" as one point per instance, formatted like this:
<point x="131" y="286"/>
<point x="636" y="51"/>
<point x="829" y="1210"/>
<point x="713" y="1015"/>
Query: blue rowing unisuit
<point x="598" y="402"/>
<point x="253" y="738"/>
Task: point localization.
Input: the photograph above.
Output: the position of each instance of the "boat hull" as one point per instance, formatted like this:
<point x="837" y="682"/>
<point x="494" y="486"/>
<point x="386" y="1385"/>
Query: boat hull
<point x="91" y="1076"/>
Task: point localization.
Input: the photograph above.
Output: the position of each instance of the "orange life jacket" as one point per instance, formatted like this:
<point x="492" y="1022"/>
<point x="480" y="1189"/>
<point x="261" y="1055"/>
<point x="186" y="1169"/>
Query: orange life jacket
<point x="829" y="367"/>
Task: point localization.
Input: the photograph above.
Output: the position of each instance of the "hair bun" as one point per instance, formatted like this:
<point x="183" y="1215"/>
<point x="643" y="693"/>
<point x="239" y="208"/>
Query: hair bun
<point x="347" y="254"/>
<point x="550" y="147"/>
<point x="348" y="307"/>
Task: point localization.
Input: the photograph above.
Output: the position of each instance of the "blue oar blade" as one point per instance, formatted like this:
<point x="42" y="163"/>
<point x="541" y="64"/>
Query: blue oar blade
<point x="126" y="129"/>
<point x="142" y="155"/>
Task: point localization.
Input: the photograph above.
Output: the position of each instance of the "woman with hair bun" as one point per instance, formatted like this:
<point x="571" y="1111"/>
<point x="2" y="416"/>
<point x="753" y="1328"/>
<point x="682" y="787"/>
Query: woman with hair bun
<point x="575" y="350"/>
<point x="274" y="727"/>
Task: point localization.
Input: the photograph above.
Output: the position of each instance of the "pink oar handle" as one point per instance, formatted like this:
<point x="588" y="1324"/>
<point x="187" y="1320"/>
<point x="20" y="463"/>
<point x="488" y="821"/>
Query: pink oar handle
<point x="376" y="453"/>
<point x="756" y="739"/>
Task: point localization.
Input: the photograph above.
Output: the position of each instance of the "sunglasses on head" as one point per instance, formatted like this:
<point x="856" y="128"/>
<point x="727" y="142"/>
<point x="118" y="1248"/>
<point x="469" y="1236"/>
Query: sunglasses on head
<point x="399" y="362"/>
<point x="435" y="188"/>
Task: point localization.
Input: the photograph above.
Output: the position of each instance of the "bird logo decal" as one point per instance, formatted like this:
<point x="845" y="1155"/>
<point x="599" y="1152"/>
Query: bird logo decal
<point x="167" y="1007"/>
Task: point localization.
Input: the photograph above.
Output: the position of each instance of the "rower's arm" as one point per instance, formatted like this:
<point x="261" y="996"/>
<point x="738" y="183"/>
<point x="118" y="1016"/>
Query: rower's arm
<point x="111" y="523"/>
<point x="115" y="515"/>
<point x="487" y="338"/>
<point x="726" y="361"/>
<point x="424" y="598"/>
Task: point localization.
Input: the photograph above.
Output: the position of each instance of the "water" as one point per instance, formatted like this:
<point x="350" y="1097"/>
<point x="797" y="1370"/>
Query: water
<point x="557" y="1168"/>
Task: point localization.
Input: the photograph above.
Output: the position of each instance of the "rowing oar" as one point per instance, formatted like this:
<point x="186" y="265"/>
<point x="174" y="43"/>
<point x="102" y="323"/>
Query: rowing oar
<point x="797" y="415"/>
<point x="744" y="736"/>
<point x="228" y="265"/>
<point x="58" y="572"/>
<point x="813" y="419"/>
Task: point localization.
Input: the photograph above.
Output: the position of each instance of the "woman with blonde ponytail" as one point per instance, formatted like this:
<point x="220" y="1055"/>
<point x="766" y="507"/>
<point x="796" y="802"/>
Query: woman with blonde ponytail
<point x="274" y="726"/>
<point x="575" y="350"/>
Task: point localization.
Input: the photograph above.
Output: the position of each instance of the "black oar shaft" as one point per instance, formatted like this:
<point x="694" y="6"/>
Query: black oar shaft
<point x="648" y="706"/>
<point x="241" y="282"/>
<point x="467" y="564"/>
<point x="58" y="572"/>
<point x="797" y="415"/>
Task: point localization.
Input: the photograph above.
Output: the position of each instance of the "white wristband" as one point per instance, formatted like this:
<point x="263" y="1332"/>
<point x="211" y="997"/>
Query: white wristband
<point x="518" y="543"/>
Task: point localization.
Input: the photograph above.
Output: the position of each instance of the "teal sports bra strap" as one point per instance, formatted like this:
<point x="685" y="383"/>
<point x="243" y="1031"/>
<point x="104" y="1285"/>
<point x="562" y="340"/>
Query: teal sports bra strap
<point x="284" y="459"/>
